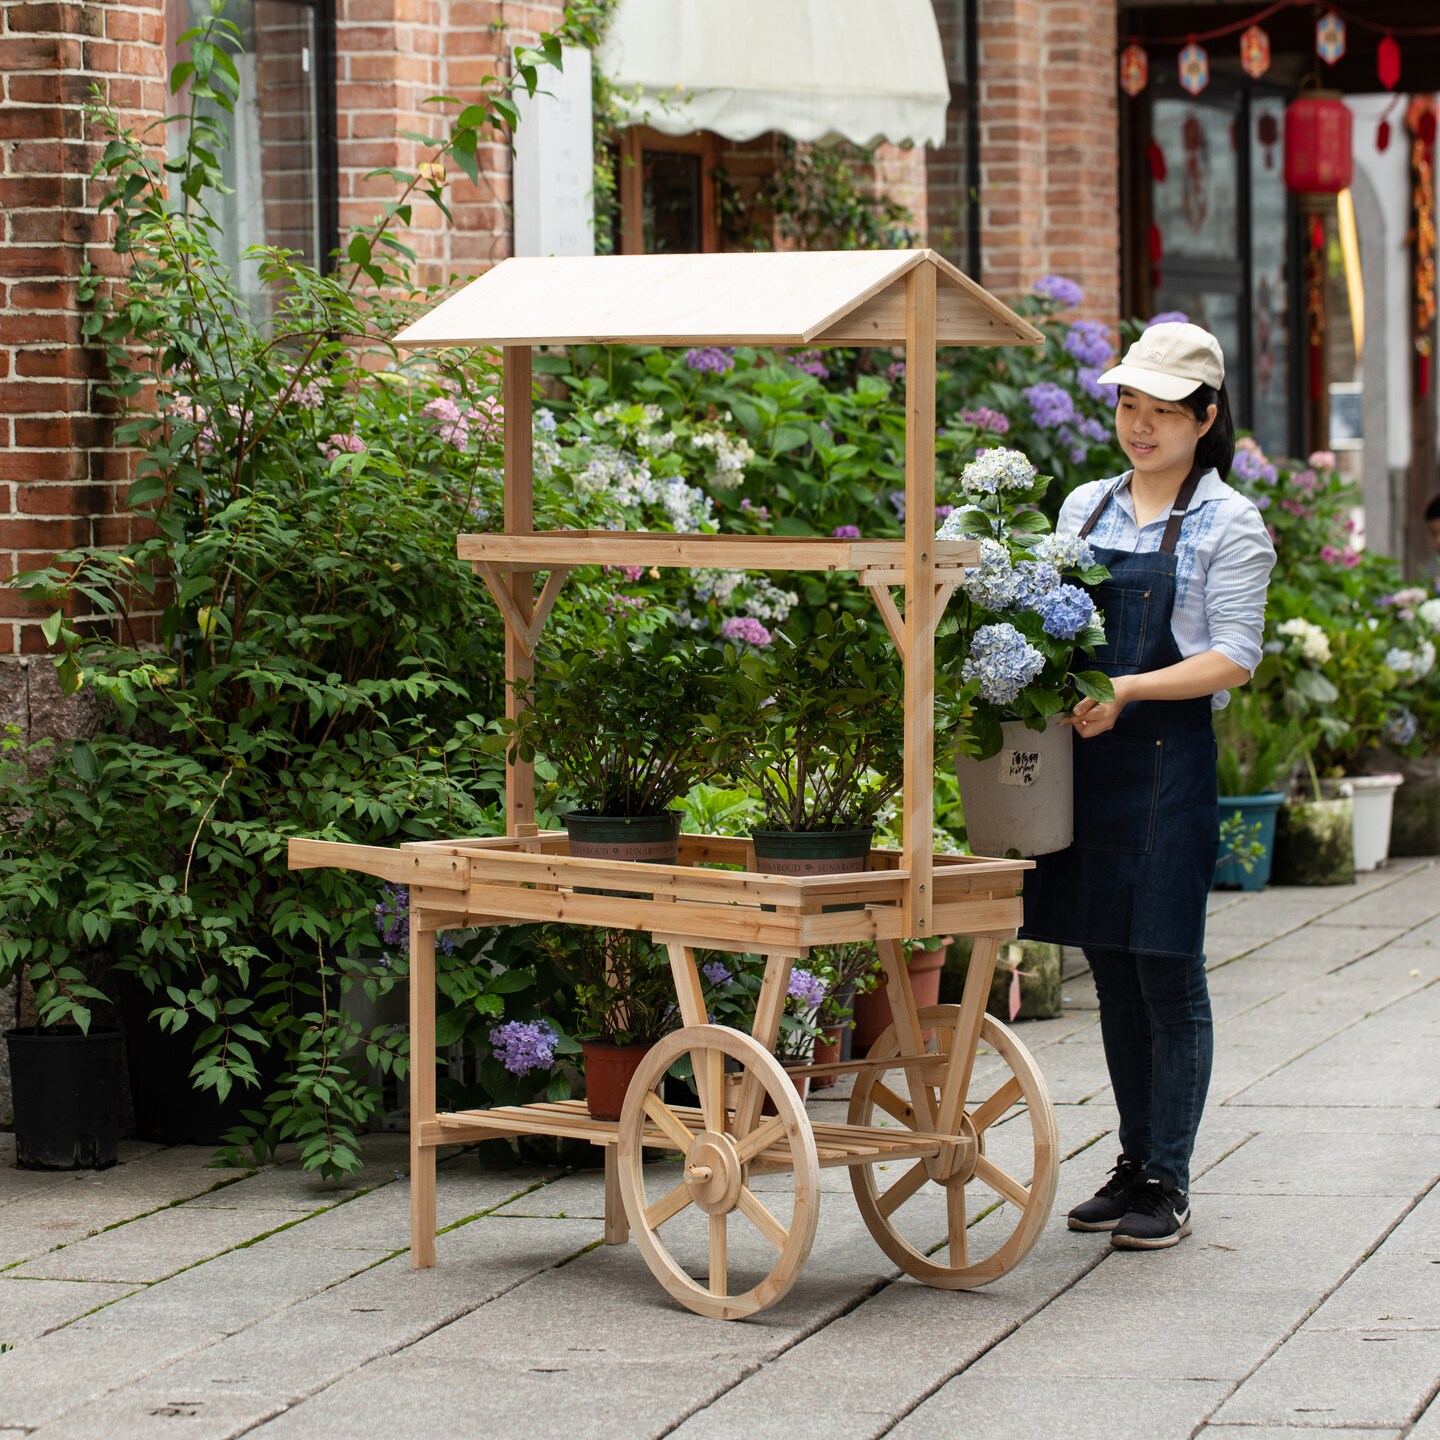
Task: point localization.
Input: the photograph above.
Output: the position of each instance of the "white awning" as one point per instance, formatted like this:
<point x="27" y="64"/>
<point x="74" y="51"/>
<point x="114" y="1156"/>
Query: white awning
<point x="816" y="70"/>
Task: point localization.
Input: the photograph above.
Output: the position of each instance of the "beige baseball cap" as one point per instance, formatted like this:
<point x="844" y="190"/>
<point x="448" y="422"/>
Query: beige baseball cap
<point x="1168" y="361"/>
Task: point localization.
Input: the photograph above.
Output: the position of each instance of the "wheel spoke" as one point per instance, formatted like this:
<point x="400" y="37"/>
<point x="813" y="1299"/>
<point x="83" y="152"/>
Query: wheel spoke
<point x="761" y="1138"/>
<point x="983" y="1116"/>
<point x="669" y="1121"/>
<point x="1001" y="1183"/>
<point x="718" y="1260"/>
<point x="892" y="1104"/>
<point x="672" y="1202"/>
<point x="712" y="1090"/>
<point x="955" y="1220"/>
<point x="751" y="1208"/>
<point x="893" y="1198"/>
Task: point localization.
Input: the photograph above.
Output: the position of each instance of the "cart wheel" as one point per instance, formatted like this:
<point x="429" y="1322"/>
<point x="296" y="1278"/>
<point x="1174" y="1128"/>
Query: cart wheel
<point x="715" y="1175"/>
<point x="976" y="1184"/>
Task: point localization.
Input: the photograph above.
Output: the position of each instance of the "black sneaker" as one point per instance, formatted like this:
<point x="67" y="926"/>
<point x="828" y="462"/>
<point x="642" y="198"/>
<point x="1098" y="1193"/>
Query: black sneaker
<point x="1111" y="1201"/>
<point x="1158" y="1217"/>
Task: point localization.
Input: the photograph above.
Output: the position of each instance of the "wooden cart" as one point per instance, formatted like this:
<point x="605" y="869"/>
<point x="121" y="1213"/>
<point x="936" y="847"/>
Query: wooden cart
<point x="941" y="1082"/>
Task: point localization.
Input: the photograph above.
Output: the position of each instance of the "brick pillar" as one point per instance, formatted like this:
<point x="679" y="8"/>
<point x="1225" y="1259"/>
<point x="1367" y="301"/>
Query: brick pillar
<point x="59" y="483"/>
<point x="1049" y="135"/>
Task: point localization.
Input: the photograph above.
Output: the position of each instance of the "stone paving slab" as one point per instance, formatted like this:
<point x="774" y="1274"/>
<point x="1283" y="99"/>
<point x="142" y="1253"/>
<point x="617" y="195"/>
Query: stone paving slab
<point x="1427" y="1427"/>
<point x="1294" y="1164"/>
<point x="1288" y="1432"/>
<point x="29" y="1308"/>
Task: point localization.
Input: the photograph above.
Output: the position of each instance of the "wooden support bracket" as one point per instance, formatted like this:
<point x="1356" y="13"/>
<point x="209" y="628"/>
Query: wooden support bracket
<point x="526" y="632"/>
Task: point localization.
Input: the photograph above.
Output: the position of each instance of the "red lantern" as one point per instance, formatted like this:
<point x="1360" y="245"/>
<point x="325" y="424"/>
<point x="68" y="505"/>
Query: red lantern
<point x="1319" y="150"/>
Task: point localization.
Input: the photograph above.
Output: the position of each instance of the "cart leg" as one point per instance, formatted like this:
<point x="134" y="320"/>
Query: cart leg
<point x="422" y="1094"/>
<point x="617" y="1228"/>
<point x="984" y="955"/>
<point x="908" y="1031"/>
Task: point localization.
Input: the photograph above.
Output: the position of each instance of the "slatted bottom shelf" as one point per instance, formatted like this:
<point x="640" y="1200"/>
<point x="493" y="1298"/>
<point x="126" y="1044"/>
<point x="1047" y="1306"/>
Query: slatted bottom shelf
<point x="835" y="1144"/>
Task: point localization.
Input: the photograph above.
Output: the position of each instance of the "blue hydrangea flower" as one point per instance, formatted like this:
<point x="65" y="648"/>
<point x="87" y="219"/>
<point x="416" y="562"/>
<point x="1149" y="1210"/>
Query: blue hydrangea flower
<point x="1059" y="289"/>
<point x="1050" y="404"/>
<point x="1089" y="342"/>
<point x="1065" y="611"/>
<point x="1034" y="579"/>
<point x="997" y="471"/>
<point x="992" y="584"/>
<point x="524" y="1045"/>
<point x="1065" y="549"/>
<point x="1402" y="727"/>
<point x="1003" y="661"/>
<point x="805" y="987"/>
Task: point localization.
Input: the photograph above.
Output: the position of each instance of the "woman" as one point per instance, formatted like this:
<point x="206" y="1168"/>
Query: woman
<point x="1189" y="561"/>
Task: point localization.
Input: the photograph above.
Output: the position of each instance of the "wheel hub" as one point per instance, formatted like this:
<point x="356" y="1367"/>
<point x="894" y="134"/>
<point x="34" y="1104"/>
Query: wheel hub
<point x="956" y="1163"/>
<point x="713" y="1172"/>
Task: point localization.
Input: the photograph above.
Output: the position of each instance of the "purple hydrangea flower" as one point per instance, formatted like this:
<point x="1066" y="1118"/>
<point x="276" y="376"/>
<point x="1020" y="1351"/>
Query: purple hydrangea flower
<point x="1050" y="405"/>
<point x="745" y="629"/>
<point x="711" y="360"/>
<point x="897" y="499"/>
<point x="716" y="973"/>
<point x="845" y="532"/>
<point x="392" y="916"/>
<point x="1168" y="317"/>
<point x="1089" y="342"/>
<point x="943" y="512"/>
<point x="524" y="1045"/>
<point x="1088" y="378"/>
<point x="1250" y="464"/>
<point x="1059" y="289"/>
<point x="808" y="989"/>
<point x="985" y="418"/>
<point x="810" y="362"/>
<point x="1095" y="430"/>
<point x="895" y="371"/>
<point x="1065" y="611"/>
<point x="760" y="512"/>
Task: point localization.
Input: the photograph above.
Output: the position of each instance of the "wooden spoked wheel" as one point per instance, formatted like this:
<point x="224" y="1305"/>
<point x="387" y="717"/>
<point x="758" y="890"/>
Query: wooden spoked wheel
<point x="714" y="1180"/>
<point x="898" y="1202"/>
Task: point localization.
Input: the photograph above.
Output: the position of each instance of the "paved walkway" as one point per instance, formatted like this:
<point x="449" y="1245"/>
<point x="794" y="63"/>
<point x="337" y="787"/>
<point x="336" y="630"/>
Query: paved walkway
<point x="162" y="1298"/>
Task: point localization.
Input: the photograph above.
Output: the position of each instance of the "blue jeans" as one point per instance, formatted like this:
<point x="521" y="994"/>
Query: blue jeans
<point x="1159" y="1042"/>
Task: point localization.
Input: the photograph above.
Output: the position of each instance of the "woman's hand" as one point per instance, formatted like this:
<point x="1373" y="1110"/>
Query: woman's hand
<point x="1095" y="717"/>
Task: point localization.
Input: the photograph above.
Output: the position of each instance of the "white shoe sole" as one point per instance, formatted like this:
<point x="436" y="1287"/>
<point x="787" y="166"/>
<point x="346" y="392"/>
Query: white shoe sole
<point x="1135" y="1242"/>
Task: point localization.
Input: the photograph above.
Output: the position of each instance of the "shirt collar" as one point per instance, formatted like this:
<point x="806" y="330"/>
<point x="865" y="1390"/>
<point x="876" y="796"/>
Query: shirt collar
<point x="1211" y="487"/>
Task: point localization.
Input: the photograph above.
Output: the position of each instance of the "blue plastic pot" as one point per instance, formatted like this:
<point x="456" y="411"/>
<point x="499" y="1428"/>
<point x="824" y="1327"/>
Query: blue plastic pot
<point x="1230" y="873"/>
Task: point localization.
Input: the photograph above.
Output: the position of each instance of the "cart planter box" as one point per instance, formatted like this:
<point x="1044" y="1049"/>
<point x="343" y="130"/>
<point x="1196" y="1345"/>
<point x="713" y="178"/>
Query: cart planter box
<point x="936" y="1102"/>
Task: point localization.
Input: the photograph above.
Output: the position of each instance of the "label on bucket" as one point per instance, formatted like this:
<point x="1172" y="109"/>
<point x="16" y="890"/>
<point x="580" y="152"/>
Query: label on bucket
<point x="1019" y="767"/>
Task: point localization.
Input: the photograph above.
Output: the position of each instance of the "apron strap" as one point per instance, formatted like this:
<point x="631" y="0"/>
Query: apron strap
<point x="1177" y="510"/>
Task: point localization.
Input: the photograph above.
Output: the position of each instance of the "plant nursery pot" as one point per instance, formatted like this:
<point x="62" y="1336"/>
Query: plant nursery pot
<point x="1373" y="797"/>
<point x="1415" y="825"/>
<point x="66" y="1090"/>
<point x="646" y="839"/>
<point x="812" y="852"/>
<point x="872" y="1010"/>
<point x="609" y="1070"/>
<point x="1038" y="963"/>
<point x="1022" y="799"/>
<point x="1314" y="843"/>
<point x="1253" y="810"/>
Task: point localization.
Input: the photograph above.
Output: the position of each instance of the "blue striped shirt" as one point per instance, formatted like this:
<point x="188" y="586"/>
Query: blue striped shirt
<point x="1223" y="560"/>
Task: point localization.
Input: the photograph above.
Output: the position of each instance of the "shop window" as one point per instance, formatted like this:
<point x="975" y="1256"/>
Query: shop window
<point x="280" y="164"/>
<point x="667" y="193"/>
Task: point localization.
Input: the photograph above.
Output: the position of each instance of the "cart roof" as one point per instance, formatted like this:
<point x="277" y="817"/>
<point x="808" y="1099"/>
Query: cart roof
<point x="817" y="297"/>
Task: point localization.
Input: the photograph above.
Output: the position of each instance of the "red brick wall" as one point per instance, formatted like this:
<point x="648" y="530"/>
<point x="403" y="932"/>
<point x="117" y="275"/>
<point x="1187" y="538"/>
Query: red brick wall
<point x="59" y="483"/>
<point x="1050" y="192"/>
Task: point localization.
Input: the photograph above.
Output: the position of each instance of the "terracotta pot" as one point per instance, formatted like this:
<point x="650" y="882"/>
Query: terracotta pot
<point x="872" y="1010"/>
<point x="609" y="1070"/>
<point x="827" y="1052"/>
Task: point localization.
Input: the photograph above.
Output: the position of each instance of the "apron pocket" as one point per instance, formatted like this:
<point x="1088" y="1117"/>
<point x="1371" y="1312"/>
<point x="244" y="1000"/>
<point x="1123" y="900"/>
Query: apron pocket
<point x="1127" y="610"/>
<point x="1117" y="793"/>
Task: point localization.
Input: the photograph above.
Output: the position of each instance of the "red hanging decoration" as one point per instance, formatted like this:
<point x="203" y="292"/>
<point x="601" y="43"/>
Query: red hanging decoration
<point x="1194" y="68"/>
<point x="1387" y="59"/>
<point x="1382" y="137"/>
<point x="1157" y="253"/>
<point x="1319" y="144"/>
<point x="1134" y="69"/>
<point x="1330" y="37"/>
<point x="1254" y="52"/>
<point x="1155" y="158"/>
<point x="1267" y="131"/>
<point x="1420" y="121"/>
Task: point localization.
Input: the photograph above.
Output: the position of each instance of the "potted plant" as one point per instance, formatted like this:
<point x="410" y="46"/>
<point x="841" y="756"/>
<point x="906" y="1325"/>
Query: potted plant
<point x="814" y="724"/>
<point x="1257" y="754"/>
<point x="54" y="864"/>
<point x="617" y="721"/>
<point x="624" y="999"/>
<point x="1013" y="638"/>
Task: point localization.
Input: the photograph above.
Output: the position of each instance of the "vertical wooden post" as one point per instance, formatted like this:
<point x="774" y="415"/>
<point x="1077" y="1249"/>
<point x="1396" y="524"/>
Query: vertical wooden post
<point x="919" y="659"/>
<point x="519" y="520"/>
<point x="422" y="1094"/>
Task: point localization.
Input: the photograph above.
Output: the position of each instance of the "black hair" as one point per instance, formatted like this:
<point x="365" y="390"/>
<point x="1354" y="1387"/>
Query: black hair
<point x="1216" y="450"/>
<point x="1432" y="510"/>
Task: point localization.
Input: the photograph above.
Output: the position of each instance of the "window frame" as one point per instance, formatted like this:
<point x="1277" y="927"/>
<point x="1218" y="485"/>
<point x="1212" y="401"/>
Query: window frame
<point x="632" y="144"/>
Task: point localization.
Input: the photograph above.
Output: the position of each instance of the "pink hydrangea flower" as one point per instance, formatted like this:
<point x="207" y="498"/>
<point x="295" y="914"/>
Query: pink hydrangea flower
<point x="745" y="629"/>
<point x="334" y="445"/>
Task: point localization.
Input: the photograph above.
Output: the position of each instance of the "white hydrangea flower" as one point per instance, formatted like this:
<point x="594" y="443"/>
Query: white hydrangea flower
<point x="997" y="471"/>
<point x="1429" y="613"/>
<point x="1310" y="639"/>
<point x="1066" y="550"/>
<point x="1413" y="664"/>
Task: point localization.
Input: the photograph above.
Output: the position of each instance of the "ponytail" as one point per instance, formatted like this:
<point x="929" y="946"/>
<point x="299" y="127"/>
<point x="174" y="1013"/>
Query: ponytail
<point x="1216" y="450"/>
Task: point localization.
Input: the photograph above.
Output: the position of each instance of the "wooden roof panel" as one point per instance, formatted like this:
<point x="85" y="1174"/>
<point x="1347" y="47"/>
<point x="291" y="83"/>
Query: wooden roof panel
<point x="794" y="298"/>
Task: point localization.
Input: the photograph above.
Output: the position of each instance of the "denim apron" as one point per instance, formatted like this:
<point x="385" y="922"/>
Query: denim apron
<point x="1147" y="823"/>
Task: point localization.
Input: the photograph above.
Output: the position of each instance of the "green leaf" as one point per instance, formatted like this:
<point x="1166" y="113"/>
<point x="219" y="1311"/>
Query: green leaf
<point x="1094" y="685"/>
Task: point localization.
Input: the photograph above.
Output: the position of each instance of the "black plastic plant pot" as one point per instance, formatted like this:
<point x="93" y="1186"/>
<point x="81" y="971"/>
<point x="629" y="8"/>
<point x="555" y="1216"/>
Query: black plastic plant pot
<point x="643" y="839"/>
<point x="66" y="1088"/>
<point x="812" y="852"/>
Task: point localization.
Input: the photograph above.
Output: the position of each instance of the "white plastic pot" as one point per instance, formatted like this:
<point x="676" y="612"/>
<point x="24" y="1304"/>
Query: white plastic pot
<point x="1021" y="799"/>
<point x="1374" y="800"/>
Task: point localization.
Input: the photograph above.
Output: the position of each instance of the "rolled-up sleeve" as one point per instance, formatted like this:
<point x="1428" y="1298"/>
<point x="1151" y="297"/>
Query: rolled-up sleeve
<point x="1237" y="578"/>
